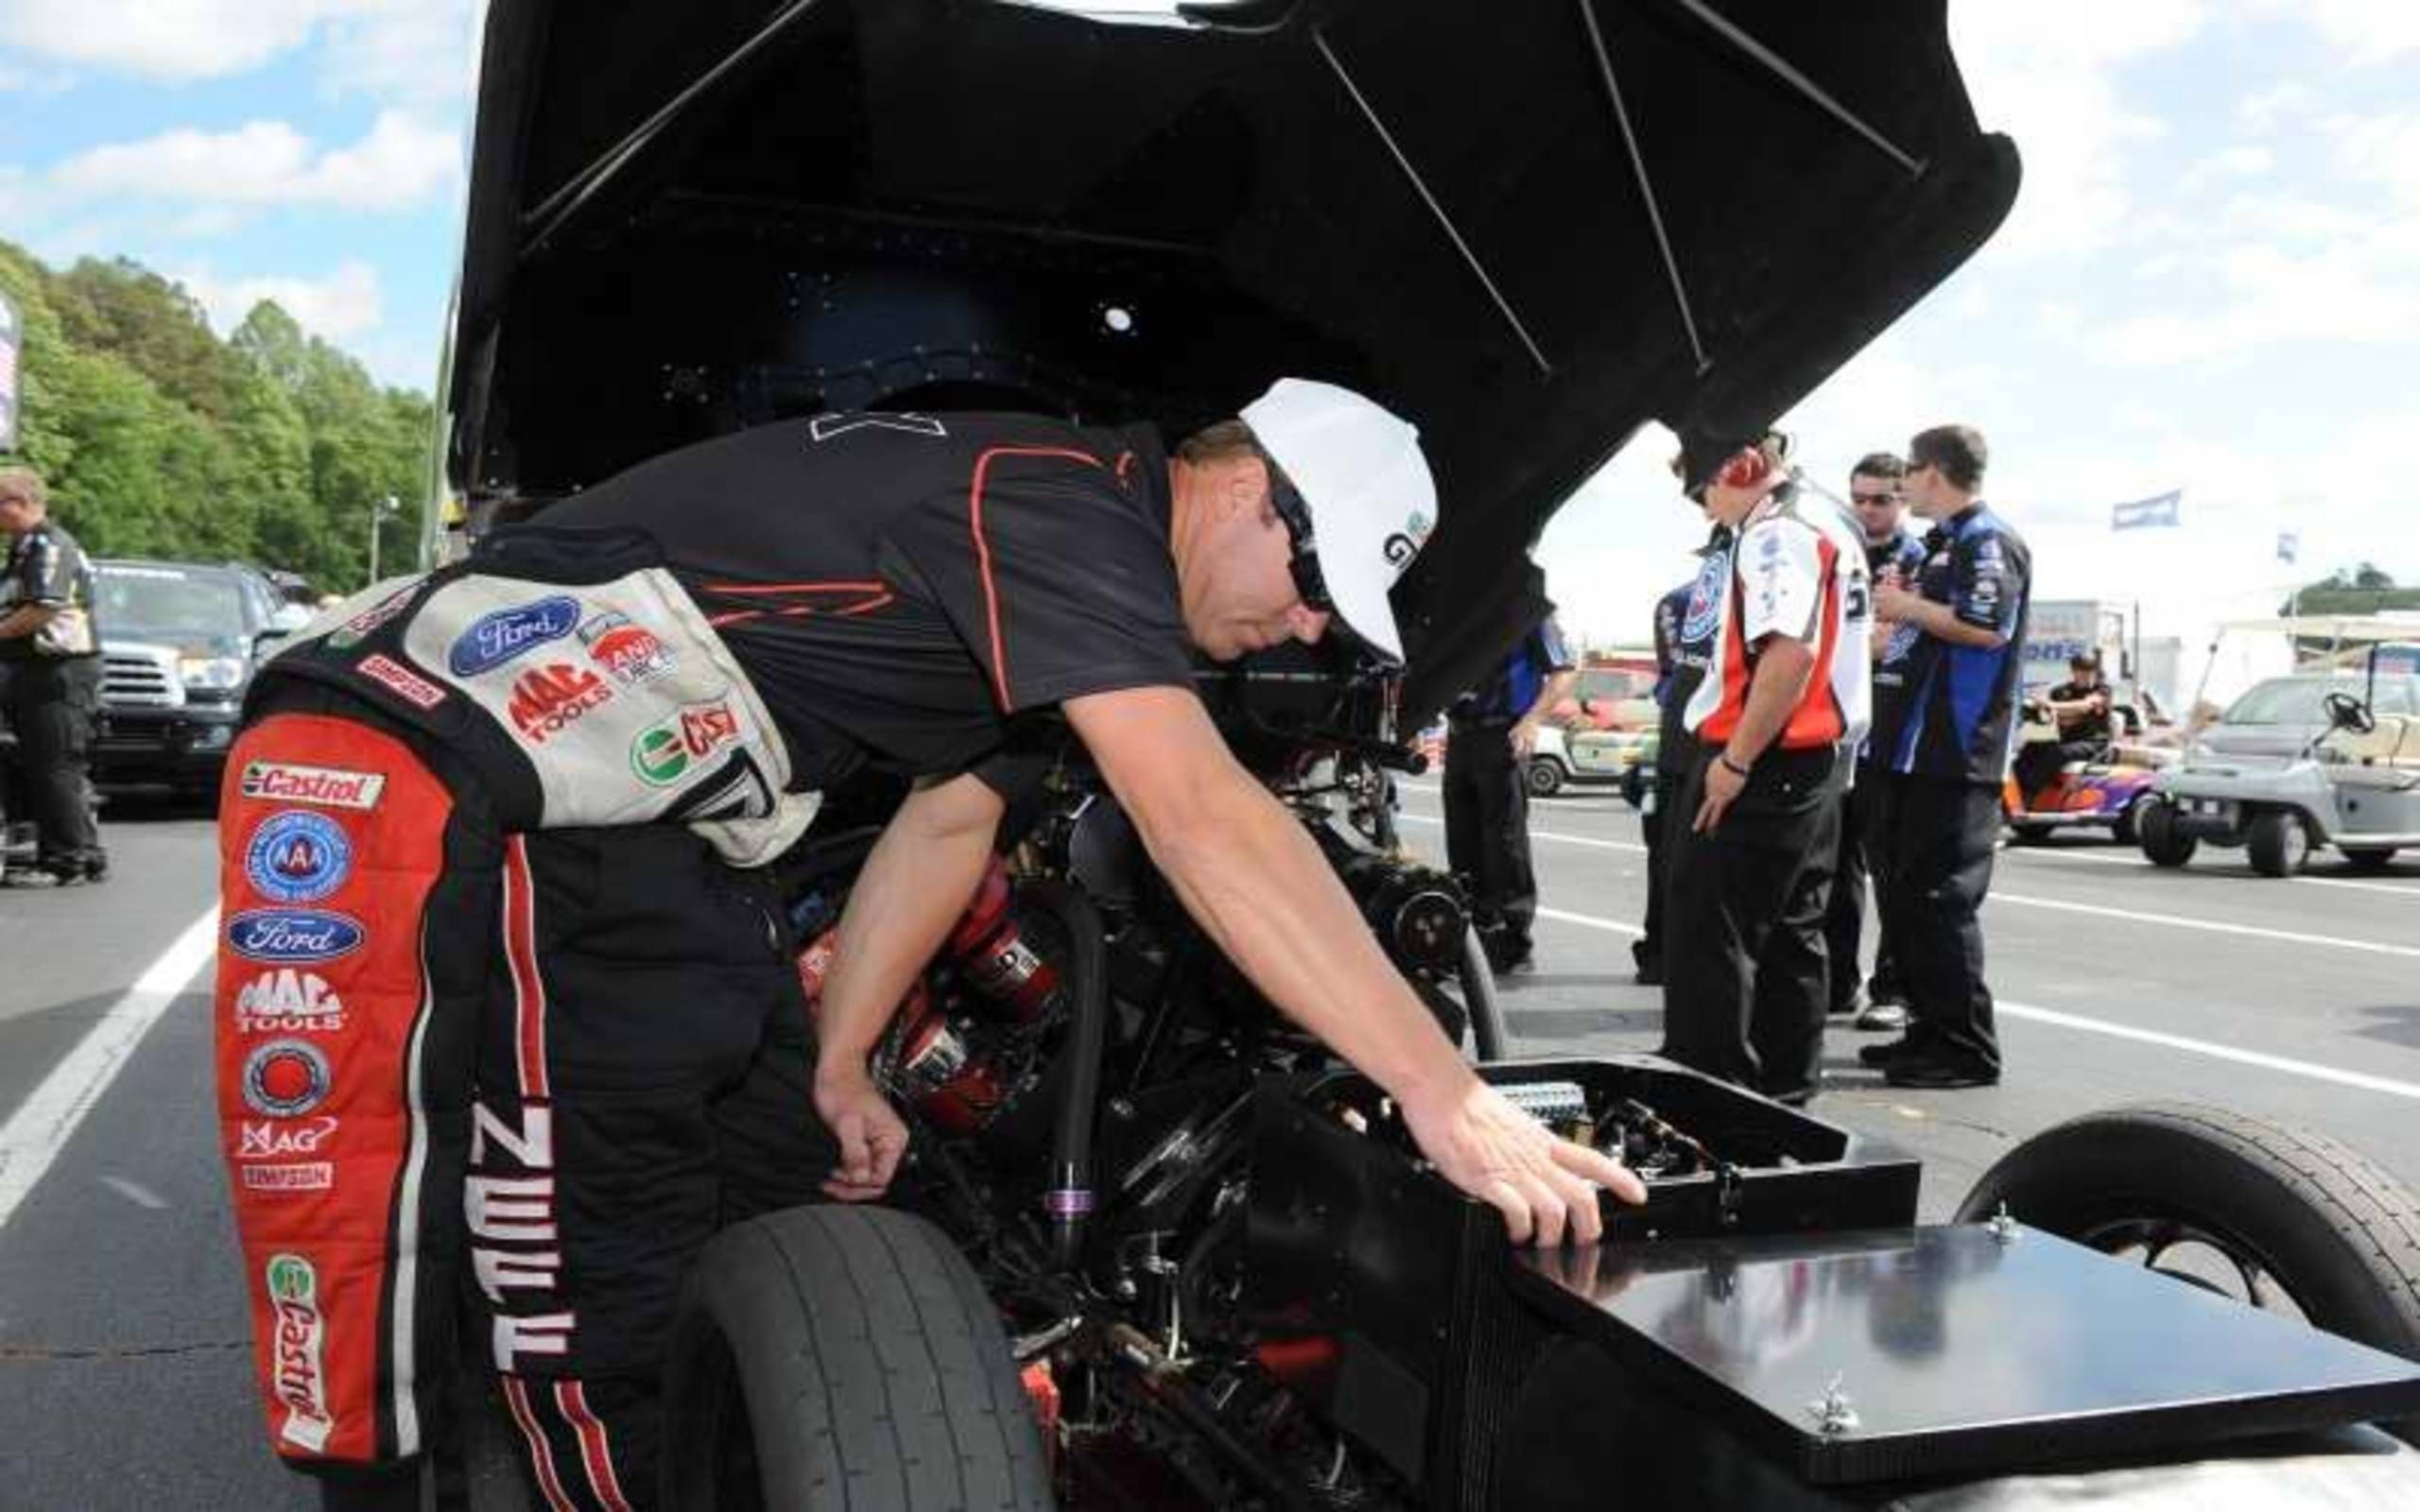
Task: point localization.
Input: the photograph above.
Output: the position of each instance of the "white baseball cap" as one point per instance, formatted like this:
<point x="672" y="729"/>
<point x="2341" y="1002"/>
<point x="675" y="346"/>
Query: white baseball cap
<point x="1365" y="486"/>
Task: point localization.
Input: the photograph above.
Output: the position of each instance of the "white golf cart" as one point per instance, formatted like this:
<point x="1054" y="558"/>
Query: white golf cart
<point x="2328" y="757"/>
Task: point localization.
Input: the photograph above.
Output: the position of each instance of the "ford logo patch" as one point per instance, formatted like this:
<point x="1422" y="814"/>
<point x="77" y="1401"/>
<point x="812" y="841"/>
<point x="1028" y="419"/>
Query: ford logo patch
<point x="494" y="639"/>
<point x="293" y="937"/>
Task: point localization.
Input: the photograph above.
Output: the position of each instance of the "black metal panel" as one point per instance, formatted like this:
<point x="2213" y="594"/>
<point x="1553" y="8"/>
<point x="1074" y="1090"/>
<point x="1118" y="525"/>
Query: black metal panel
<point x="1386" y="1298"/>
<point x="1958" y="1350"/>
<point x="1430" y="199"/>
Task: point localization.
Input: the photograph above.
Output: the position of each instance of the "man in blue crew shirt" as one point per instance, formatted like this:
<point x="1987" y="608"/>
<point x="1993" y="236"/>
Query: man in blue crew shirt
<point x="1946" y="690"/>
<point x="1490" y="734"/>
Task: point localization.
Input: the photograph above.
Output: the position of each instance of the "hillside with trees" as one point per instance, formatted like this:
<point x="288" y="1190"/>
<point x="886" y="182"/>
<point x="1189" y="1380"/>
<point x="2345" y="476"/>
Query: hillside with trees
<point x="158" y="439"/>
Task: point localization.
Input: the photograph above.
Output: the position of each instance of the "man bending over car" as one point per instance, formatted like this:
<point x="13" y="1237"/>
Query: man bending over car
<point x="505" y="990"/>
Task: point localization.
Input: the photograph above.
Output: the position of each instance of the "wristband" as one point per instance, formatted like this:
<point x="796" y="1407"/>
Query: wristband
<point x="1730" y="765"/>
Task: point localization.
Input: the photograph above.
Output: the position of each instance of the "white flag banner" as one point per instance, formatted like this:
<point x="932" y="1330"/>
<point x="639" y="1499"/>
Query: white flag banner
<point x="2290" y="546"/>
<point x="2158" y="512"/>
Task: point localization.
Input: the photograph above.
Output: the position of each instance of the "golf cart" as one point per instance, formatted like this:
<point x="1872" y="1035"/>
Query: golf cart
<point x="2325" y="758"/>
<point x="2109" y="794"/>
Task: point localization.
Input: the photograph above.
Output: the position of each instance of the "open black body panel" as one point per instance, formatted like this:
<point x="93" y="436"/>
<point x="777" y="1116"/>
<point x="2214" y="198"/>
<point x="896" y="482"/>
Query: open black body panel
<point x="1781" y="1336"/>
<point x="1529" y="228"/>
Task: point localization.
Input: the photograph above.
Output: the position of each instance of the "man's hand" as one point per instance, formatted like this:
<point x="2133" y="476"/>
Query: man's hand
<point x="1545" y="1186"/>
<point x="871" y="1135"/>
<point x="1893" y="601"/>
<point x="1525" y="739"/>
<point x="1722" y="785"/>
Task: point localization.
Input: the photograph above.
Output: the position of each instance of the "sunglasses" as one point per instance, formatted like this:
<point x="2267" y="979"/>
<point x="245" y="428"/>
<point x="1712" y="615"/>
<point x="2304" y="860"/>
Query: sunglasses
<point x="1309" y="582"/>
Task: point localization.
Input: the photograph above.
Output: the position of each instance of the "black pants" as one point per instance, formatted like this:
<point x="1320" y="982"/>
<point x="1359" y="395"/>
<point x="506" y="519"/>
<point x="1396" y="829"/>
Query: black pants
<point x="1745" y="982"/>
<point x="52" y="705"/>
<point x="2040" y="762"/>
<point x="1487" y="835"/>
<point x="520" y="1078"/>
<point x="1658" y="827"/>
<point x="1864" y="852"/>
<point x="1943" y="833"/>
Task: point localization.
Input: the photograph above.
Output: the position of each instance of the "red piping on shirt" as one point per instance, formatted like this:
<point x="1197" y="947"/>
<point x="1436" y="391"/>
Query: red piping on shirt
<point x="797" y="588"/>
<point x="983" y="549"/>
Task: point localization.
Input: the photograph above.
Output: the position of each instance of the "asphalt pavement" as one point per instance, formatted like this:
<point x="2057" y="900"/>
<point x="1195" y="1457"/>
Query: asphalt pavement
<point x="123" y="1376"/>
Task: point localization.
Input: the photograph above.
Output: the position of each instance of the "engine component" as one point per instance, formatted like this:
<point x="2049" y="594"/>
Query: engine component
<point x="958" y="1091"/>
<point x="1418" y="913"/>
<point x="991" y="951"/>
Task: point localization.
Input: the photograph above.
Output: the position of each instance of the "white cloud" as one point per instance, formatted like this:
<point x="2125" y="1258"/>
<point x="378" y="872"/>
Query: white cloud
<point x="2364" y="31"/>
<point x="416" y="49"/>
<point x="403" y="162"/>
<point x="2046" y="73"/>
<point x="421" y="50"/>
<point x="345" y="304"/>
<point x="2264" y="110"/>
<point x="2381" y="148"/>
<point x="2360" y="291"/>
<point x="2243" y="162"/>
<point x="164" y="39"/>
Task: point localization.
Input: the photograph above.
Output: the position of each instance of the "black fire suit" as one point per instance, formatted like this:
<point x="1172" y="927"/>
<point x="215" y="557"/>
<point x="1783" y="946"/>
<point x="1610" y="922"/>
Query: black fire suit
<point x="492" y="1022"/>
<point x="1864" y="847"/>
<point x="52" y="682"/>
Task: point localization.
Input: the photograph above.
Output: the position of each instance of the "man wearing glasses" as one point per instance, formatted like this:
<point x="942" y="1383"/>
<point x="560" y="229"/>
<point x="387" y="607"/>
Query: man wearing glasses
<point x="1891" y="555"/>
<point x="496" y="920"/>
<point x="1946" y="693"/>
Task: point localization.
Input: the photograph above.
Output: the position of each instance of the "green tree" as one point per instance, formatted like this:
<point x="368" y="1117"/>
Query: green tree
<point x="160" y="440"/>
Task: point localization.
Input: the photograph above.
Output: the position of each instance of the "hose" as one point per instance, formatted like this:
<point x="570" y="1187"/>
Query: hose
<point x="1478" y="999"/>
<point x="1069" y="1198"/>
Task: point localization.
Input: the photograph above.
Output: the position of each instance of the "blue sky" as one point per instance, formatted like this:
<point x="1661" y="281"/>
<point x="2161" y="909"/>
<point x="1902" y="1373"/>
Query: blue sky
<point x="2211" y="280"/>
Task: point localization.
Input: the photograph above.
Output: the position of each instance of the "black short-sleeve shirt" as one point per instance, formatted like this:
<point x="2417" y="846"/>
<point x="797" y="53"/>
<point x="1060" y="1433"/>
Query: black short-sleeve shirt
<point x="901" y="588"/>
<point x="1948" y="710"/>
<point x="47" y="567"/>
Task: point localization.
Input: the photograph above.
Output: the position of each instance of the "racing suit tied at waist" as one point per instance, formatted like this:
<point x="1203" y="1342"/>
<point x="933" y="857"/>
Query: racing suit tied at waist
<point x="581" y="679"/>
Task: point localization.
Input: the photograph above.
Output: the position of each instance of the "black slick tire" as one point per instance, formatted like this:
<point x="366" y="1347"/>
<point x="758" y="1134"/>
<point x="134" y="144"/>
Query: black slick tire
<point x="844" y="1359"/>
<point x="2338" y="1234"/>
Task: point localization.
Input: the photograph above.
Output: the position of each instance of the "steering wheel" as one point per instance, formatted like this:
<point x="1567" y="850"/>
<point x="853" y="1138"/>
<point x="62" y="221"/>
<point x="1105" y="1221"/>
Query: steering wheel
<point x="2349" y="712"/>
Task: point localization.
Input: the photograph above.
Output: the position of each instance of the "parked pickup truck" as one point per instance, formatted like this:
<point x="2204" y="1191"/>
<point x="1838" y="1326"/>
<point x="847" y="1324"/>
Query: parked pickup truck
<point x="178" y="644"/>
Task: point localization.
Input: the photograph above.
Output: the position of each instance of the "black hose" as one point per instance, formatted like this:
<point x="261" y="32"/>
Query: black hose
<point x="1166" y="1382"/>
<point x="1478" y="999"/>
<point x="1069" y="1198"/>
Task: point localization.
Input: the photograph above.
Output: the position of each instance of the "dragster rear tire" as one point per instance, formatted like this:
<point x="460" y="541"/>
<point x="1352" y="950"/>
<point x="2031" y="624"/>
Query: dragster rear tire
<point x="844" y="1359"/>
<point x="2339" y="1235"/>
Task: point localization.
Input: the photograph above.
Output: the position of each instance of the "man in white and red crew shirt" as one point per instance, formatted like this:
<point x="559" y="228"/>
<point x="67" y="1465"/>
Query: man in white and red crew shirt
<point x="1947" y="686"/>
<point x="507" y="1007"/>
<point x="1783" y="702"/>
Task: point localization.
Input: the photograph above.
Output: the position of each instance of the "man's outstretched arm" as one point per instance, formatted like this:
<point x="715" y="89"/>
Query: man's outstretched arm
<point x="1255" y="881"/>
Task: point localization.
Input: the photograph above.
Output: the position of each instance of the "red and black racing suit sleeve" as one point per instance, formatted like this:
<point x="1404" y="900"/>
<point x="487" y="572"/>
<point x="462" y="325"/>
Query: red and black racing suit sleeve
<point x="1054" y="571"/>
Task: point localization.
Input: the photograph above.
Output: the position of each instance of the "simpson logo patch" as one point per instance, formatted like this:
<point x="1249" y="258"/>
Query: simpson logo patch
<point x="399" y="681"/>
<point x="307" y="1175"/>
<point x="327" y="787"/>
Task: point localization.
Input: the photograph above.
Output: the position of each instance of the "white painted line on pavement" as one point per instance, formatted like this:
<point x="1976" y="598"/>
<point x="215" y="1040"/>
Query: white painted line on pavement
<point x="2209" y="925"/>
<point x="39" y="1128"/>
<point x="2060" y="905"/>
<point x="2121" y="1031"/>
<point x="1547" y="835"/>
<point x="2138" y="864"/>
